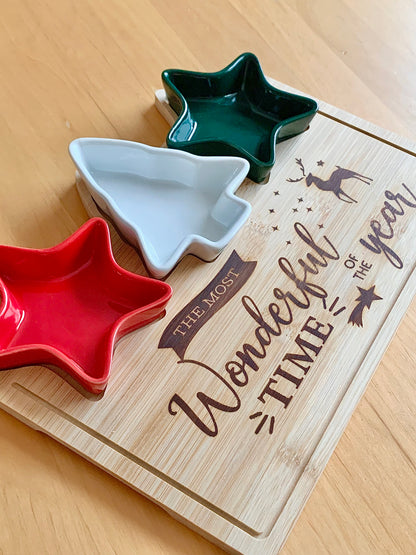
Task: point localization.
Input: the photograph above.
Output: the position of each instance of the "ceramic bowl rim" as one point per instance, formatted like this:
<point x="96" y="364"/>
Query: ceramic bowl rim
<point x="159" y="267"/>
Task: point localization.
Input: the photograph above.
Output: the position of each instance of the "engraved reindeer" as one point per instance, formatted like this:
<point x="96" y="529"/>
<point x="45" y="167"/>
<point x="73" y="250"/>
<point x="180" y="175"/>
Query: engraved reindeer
<point x="333" y="183"/>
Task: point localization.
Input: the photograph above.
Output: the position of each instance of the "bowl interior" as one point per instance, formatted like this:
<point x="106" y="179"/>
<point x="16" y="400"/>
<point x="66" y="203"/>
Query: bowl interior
<point x="70" y="298"/>
<point x="163" y="194"/>
<point x="235" y="106"/>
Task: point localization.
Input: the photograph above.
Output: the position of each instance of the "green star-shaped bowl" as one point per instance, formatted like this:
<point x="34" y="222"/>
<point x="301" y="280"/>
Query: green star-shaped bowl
<point x="234" y="112"/>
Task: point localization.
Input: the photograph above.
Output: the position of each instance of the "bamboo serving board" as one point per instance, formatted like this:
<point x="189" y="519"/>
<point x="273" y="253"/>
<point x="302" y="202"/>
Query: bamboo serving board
<point x="226" y="411"/>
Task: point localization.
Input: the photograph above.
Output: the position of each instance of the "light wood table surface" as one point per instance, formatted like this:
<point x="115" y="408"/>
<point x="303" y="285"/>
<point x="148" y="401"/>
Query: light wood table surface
<point x="72" y="68"/>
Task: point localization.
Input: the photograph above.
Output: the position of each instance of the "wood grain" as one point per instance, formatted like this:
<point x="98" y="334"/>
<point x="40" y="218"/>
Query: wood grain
<point x="75" y="69"/>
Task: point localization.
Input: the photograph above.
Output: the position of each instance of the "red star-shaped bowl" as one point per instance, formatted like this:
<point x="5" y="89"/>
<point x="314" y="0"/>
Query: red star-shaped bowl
<point x="66" y="306"/>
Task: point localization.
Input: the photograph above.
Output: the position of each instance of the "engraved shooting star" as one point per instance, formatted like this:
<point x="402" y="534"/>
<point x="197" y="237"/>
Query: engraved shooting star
<point x="364" y="300"/>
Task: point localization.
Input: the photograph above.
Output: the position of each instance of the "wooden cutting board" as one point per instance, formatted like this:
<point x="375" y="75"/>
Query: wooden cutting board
<point x="226" y="411"/>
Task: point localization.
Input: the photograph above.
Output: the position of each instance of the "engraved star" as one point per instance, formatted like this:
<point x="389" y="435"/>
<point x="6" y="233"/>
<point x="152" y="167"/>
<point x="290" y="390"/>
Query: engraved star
<point x="271" y="210"/>
<point x="364" y="300"/>
<point x="288" y="242"/>
<point x="275" y="228"/>
<point x="309" y="209"/>
<point x="295" y="210"/>
<point x="321" y="226"/>
<point x="276" y="193"/>
<point x="67" y="305"/>
<point x="300" y="199"/>
<point x="320" y="163"/>
<point x="168" y="203"/>
<point x="214" y="108"/>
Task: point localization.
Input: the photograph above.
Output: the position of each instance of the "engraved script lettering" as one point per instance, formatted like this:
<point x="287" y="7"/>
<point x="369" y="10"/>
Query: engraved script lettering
<point x="384" y="230"/>
<point x="280" y="314"/>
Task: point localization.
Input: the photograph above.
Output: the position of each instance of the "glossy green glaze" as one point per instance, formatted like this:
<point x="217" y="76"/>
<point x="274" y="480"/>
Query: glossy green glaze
<point x="234" y="112"/>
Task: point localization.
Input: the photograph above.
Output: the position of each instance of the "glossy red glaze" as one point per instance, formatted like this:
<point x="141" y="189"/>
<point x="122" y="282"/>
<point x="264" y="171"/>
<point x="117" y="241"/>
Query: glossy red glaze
<point x="68" y="305"/>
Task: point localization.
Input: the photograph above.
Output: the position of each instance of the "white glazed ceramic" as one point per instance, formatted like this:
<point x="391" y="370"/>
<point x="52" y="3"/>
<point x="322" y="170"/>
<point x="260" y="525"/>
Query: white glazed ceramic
<point x="167" y="202"/>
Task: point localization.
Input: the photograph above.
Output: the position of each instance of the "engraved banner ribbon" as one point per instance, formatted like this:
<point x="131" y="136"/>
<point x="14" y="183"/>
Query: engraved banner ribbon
<point x="186" y="324"/>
